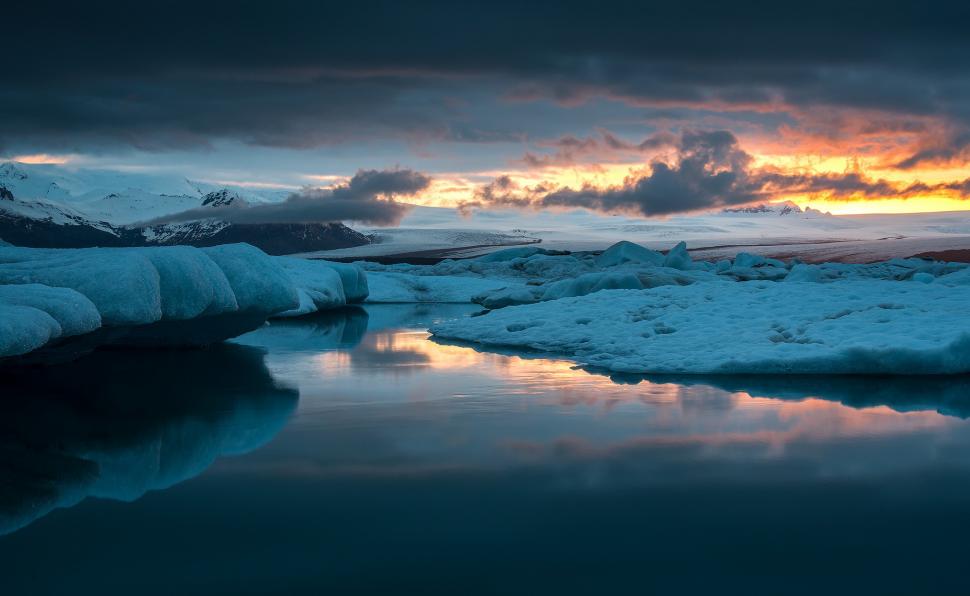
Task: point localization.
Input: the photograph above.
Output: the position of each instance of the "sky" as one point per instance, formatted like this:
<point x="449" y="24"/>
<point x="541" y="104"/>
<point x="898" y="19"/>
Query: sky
<point x="634" y="108"/>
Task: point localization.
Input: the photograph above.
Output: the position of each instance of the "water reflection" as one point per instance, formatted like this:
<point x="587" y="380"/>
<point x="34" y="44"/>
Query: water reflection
<point x="117" y="424"/>
<point x="398" y="402"/>
<point x="339" y="329"/>
<point x="948" y="395"/>
<point x="412" y="466"/>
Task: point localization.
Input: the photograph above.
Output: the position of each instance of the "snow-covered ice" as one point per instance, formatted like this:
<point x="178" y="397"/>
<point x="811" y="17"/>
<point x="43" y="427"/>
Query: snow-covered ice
<point x="189" y="295"/>
<point x="524" y="275"/>
<point x="404" y="287"/>
<point x="844" y="327"/>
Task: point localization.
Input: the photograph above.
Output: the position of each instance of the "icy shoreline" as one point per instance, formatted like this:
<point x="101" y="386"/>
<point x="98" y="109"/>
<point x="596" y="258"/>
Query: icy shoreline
<point x="847" y="327"/>
<point x="633" y="310"/>
<point x="628" y="309"/>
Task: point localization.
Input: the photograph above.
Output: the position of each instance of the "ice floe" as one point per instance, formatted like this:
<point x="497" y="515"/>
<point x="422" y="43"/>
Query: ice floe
<point x="525" y="275"/>
<point x="844" y="327"/>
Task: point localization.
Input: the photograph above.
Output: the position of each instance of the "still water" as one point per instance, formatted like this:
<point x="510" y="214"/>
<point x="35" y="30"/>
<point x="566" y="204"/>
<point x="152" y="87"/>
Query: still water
<point x="348" y="453"/>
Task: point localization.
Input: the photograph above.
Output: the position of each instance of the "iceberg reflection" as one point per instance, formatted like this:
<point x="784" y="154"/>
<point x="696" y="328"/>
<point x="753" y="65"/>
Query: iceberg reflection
<point x="946" y="394"/>
<point x="336" y="329"/>
<point x="118" y="424"/>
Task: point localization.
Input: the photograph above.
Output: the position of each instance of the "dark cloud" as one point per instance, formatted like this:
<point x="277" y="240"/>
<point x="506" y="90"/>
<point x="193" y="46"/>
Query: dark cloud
<point x="369" y="197"/>
<point x="300" y="74"/>
<point x="709" y="171"/>
<point x="570" y="150"/>
<point x="949" y="148"/>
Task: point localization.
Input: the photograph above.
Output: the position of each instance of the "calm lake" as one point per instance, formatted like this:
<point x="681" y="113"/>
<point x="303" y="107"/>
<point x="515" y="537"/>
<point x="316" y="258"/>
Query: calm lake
<point x="348" y="453"/>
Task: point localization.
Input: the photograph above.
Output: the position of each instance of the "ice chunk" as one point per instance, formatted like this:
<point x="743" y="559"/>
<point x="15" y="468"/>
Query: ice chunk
<point x="521" y="252"/>
<point x="190" y="284"/>
<point x="402" y="287"/>
<point x="678" y="257"/>
<point x="74" y="313"/>
<point x="318" y="285"/>
<point x="122" y="283"/>
<point x="258" y="282"/>
<point x="354" y="280"/>
<point x="957" y="278"/>
<point x="628" y="252"/>
<point x="31" y="315"/>
<point x="744" y="259"/>
<point x="845" y="327"/>
<point x="802" y="272"/>
<point x="589" y="283"/>
<point x="507" y="296"/>
<point x="173" y="295"/>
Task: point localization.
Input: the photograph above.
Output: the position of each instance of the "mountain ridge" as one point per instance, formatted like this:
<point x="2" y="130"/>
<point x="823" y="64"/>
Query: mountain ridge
<point x="32" y="215"/>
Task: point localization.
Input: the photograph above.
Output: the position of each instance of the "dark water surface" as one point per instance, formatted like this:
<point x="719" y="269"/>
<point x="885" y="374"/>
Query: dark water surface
<point x="347" y="453"/>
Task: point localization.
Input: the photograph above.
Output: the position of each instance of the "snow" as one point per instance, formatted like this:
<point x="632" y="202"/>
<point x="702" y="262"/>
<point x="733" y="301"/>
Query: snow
<point x="105" y="198"/>
<point x="843" y="327"/>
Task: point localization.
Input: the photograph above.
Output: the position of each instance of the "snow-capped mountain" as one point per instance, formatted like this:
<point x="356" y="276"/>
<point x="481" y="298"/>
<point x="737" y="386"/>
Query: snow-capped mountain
<point x="41" y="206"/>
<point x="222" y="198"/>
<point x="784" y="208"/>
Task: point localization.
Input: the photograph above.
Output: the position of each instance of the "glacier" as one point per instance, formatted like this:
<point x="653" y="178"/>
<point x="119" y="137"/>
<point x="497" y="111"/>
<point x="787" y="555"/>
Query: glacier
<point x="158" y="296"/>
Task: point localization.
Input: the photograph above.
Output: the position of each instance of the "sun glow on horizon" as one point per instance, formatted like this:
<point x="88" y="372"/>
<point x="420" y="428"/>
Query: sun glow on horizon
<point x="42" y="159"/>
<point x="452" y="188"/>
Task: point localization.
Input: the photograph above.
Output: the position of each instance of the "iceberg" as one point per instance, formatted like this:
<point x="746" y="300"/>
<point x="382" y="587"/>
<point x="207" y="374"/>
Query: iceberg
<point x="352" y="277"/>
<point x="158" y="296"/>
<point x="843" y="327"/>
<point x="31" y="315"/>
<point x="629" y="252"/>
<point x="318" y="287"/>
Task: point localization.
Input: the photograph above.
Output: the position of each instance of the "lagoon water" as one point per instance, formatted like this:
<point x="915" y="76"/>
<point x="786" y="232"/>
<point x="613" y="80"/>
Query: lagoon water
<point x="348" y="453"/>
